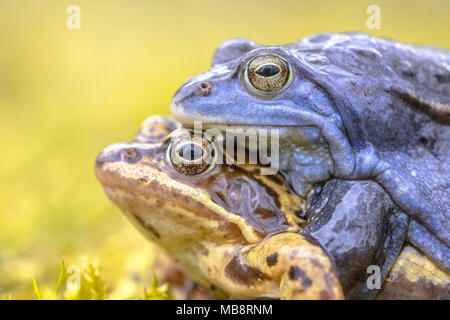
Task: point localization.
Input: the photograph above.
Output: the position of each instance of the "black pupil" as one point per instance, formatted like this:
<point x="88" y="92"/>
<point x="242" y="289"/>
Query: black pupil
<point x="268" y="70"/>
<point x="192" y="152"/>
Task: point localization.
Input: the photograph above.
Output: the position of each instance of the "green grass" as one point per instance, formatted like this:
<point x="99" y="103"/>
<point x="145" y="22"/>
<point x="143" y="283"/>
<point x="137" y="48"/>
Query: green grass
<point x="91" y="287"/>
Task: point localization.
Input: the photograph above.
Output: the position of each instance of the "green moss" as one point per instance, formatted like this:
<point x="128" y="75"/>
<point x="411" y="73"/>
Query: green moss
<point x="91" y="287"/>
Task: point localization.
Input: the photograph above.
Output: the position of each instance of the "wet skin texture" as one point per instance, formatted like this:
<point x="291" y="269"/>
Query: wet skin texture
<point x="356" y="108"/>
<point x="241" y="233"/>
<point x="227" y="226"/>
<point x="358" y="225"/>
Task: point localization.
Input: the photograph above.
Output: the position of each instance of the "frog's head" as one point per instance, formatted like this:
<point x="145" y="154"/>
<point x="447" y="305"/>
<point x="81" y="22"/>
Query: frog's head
<point x="252" y="85"/>
<point x="229" y="226"/>
<point x="177" y="197"/>
<point x="196" y="210"/>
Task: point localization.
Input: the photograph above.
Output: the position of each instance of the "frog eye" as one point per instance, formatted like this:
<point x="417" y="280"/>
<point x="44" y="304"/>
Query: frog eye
<point x="267" y="74"/>
<point x="191" y="156"/>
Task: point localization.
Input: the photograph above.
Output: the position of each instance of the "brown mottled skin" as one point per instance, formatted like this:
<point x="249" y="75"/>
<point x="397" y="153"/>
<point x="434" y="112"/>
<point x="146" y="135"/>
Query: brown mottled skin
<point x="415" y="277"/>
<point x="240" y="233"/>
<point x="231" y="229"/>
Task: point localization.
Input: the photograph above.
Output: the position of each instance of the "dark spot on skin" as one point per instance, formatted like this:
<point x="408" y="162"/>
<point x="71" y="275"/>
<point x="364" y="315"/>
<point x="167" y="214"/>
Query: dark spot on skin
<point x="427" y="142"/>
<point x="131" y="155"/>
<point x="400" y="288"/>
<point x="316" y="264"/>
<point x="325" y="295"/>
<point x="439" y="113"/>
<point x="274" y="178"/>
<point x="365" y="53"/>
<point x="408" y="73"/>
<point x="221" y="196"/>
<point x="272" y="260"/>
<point x="301" y="213"/>
<point x="294" y="254"/>
<point x="295" y="273"/>
<point x="160" y="202"/>
<point x="404" y="68"/>
<point x="242" y="273"/>
<point x="153" y="231"/>
<point x="147" y="226"/>
<point x="275" y="196"/>
<point x="297" y="291"/>
<point x="443" y="78"/>
<point x="204" y="251"/>
<point x="264" y="213"/>
<point x="423" y="140"/>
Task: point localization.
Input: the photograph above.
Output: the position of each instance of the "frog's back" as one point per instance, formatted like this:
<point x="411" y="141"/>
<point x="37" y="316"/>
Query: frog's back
<point x="397" y="99"/>
<point x="419" y="75"/>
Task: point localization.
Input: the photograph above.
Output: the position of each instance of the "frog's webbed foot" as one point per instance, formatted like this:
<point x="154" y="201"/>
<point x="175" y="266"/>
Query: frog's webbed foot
<point x="303" y="269"/>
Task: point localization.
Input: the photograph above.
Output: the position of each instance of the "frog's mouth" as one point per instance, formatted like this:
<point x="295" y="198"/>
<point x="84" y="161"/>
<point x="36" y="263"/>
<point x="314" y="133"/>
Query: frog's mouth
<point x="149" y="195"/>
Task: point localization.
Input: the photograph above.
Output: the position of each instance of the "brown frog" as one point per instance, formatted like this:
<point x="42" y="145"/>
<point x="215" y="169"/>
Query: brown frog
<point x="247" y="235"/>
<point x="233" y="230"/>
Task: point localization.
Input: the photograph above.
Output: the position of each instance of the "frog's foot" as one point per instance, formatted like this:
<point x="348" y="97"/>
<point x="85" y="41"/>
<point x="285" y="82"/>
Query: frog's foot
<point x="303" y="269"/>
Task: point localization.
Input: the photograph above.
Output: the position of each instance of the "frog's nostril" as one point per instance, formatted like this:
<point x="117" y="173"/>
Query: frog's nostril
<point x="204" y="89"/>
<point x="131" y="155"/>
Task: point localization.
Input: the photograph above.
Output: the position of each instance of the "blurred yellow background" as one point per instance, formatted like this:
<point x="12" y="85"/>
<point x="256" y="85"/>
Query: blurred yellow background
<point x="67" y="94"/>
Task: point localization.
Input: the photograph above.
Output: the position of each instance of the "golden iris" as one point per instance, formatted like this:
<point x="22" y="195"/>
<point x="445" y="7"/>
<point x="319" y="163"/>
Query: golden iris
<point x="191" y="155"/>
<point x="268" y="73"/>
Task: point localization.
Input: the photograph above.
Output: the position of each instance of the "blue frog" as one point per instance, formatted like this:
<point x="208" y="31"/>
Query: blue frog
<point x="347" y="106"/>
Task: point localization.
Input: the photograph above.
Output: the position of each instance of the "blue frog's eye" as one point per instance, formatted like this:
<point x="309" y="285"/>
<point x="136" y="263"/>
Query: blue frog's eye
<point x="267" y="74"/>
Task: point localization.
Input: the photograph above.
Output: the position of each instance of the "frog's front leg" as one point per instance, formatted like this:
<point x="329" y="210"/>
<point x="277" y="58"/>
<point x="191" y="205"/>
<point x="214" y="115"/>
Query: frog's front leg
<point x="360" y="227"/>
<point x="303" y="269"/>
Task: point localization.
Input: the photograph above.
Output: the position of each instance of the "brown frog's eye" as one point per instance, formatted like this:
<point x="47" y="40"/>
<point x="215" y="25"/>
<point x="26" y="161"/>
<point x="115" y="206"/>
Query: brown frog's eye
<point x="268" y="74"/>
<point x="191" y="155"/>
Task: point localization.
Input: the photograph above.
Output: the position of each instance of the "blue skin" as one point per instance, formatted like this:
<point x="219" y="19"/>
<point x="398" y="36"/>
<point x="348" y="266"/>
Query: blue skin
<point x="358" y="108"/>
